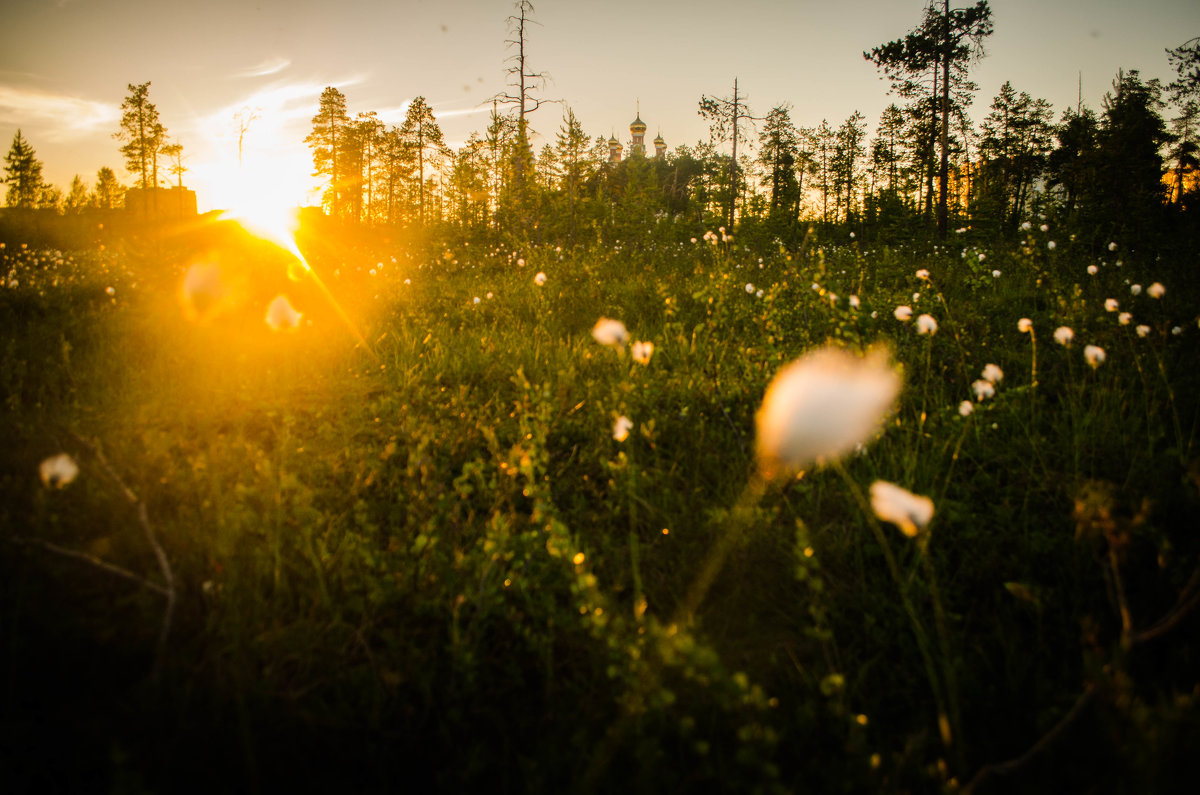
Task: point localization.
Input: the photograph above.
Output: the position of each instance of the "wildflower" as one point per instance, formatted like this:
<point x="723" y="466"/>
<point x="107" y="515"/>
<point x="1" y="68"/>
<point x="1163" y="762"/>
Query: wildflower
<point x="916" y="297"/>
<point x="1124" y="318"/>
<point x="1026" y="226"/>
<point x="1136" y="289"/>
<point x="909" y="512"/>
<point x="758" y="293"/>
<point x="1092" y="270"/>
<point x="854" y="302"/>
<point x="923" y="273"/>
<point x="983" y="389"/>
<point x="1063" y="335"/>
<point x="995" y="274"/>
<point x="110" y="290"/>
<point x="1156" y="290"/>
<point x="1051" y="245"/>
<point x="622" y="427"/>
<point x="642" y="351"/>
<point x="282" y="316"/>
<point x="610" y="332"/>
<point x="1112" y="246"/>
<point x="903" y="313"/>
<point x="539" y="279"/>
<point x="1143" y="331"/>
<point x="749" y="288"/>
<point x="1045" y="227"/>
<point x="1094" y="355"/>
<point x="965" y="408"/>
<point x="993" y="374"/>
<point x="520" y="262"/>
<point x="1110" y="305"/>
<point x="1177" y="330"/>
<point x="926" y="325"/>
<point x="820" y="406"/>
<point x="58" y="470"/>
<point x="1025" y="325"/>
<point x="476" y="299"/>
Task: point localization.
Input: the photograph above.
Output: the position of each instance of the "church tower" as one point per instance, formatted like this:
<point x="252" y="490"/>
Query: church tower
<point x="660" y="146"/>
<point x="614" y="150"/>
<point x="637" y="129"/>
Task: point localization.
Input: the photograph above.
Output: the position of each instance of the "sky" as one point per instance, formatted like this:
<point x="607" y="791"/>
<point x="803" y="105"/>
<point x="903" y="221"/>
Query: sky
<point x="65" y="67"/>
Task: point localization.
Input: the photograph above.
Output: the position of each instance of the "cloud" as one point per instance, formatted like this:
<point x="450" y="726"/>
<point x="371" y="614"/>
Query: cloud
<point x="67" y="118"/>
<point x="270" y="66"/>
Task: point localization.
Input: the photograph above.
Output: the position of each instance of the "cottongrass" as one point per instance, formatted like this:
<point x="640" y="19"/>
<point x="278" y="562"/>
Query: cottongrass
<point x="282" y="316"/>
<point x="1094" y="355"/>
<point x="58" y="470"/>
<point x="821" y="406"/>
<point x="911" y="513"/>
<point x="610" y="332"/>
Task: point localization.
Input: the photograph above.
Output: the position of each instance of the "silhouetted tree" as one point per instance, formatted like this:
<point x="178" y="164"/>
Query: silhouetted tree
<point x="327" y="141"/>
<point x="142" y="133"/>
<point x="22" y="174"/>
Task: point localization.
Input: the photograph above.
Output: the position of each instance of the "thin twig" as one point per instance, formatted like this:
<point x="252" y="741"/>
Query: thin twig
<point x="85" y="557"/>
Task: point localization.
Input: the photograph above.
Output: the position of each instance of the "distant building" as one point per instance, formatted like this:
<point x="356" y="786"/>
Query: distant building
<point x="637" y="145"/>
<point x="161" y="203"/>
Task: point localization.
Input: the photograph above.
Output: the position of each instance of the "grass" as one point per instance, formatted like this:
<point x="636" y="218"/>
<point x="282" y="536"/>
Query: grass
<point x="427" y="561"/>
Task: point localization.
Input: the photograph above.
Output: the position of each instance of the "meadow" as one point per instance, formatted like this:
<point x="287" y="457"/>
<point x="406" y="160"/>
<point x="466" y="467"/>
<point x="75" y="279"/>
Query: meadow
<point x="400" y="544"/>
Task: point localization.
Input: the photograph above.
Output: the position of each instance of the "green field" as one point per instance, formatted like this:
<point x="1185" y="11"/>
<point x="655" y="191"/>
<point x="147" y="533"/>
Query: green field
<point x="401" y="549"/>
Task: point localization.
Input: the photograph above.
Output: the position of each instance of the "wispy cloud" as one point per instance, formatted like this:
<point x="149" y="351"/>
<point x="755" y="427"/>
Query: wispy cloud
<point x="65" y="118"/>
<point x="270" y="66"/>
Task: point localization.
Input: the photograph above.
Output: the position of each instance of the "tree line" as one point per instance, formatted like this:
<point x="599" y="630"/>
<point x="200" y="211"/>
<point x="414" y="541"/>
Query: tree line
<point x="1131" y="165"/>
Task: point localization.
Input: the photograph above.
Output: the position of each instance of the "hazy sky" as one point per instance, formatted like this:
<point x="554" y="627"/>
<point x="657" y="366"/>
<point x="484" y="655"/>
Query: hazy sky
<point x="65" y="65"/>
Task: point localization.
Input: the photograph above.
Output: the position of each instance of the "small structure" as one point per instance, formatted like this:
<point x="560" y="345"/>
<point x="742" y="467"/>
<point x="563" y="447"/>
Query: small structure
<point x="637" y="143"/>
<point x="614" y="150"/>
<point x="174" y="203"/>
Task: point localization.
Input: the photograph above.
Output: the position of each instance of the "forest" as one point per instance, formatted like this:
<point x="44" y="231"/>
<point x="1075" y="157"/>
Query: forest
<point x="794" y="460"/>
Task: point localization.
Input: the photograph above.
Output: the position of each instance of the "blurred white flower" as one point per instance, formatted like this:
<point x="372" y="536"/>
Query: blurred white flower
<point x="1045" y="227"/>
<point x="539" y="279"/>
<point x="1051" y="245"/>
<point x="903" y="313"/>
<point x="923" y="273"/>
<point x="992" y="373"/>
<point x="910" y="512"/>
<point x="1143" y="331"/>
<point x="642" y="351"/>
<point x="750" y="288"/>
<point x="622" y="427"/>
<point x="1063" y="335"/>
<point x="983" y="389"/>
<point x="1094" y="355"/>
<point x="1112" y="246"/>
<point x="1177" y="330"/>
<point x="1092" y="270"/>
<point x="1124" y="318"/>
<point x="965" y="408"/>
<point x="926" y="324"/>
<point x="1026" y="226"/>
<point x="995" y="274"/>
<point x="854" y="302"/>
<point x="610" y="332"/>
<point x="1024" y="325"/>
<point x="58" y="470"/>
<point x="475" y="299"/>
<point x="758" y="293"/>
<point x="1136" y="289"/>
<point x="110" y="290"/>
<point x="1156" y="290"/>
<point x="520" y="262"/>
<point x="820" y="406"/>
<point x="281" y="315"/>
<point x="1111" y="305"/>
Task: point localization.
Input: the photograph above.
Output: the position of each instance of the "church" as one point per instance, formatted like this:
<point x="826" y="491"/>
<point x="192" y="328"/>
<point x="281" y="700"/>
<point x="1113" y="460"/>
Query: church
<point x="637" y="146"/>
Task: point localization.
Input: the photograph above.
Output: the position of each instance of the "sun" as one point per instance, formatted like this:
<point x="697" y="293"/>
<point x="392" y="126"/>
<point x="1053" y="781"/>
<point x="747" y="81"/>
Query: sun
<point x="263" y="196"/>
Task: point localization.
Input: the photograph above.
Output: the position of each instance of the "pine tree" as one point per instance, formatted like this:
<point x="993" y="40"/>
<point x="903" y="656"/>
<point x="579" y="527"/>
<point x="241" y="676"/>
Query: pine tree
<point x="327" y="141"/>
<point x="142" y="133"/>
<point x="23" y="174"/>
<point x="107" y="194"/>
<point x="77" y="196"/>
<point x="421" y="134"/>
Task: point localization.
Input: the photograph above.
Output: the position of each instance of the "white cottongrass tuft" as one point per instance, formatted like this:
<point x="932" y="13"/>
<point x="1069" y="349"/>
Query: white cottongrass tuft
<point x="821" y="406"/>
<point x="993" y="373"/>
<point x="1136" y="289"/>
<point x="622" y="427"/>
<point x="610" y="332"/>
<point x="642" y="351"/>
<point x="1112" y="246"/>
<point x="926" y="325"/>
<point x="1092" y="270"/>
<point x="281" y="315"/>
<point x="1051" y="245"/>
<point x="983" y="389"/>
<point x="1025" y="325"/>
<point x="965" y="408"/>
<point x="1063" y="335"/>
<point x="1156" y="290"/>
<point x="58" y="470"/>
<point x="540" y="278"/>
<point x="910" y="512"/>
<point x="854" y="302"/>
<point x="903" y="313"/>
<point x="923" y="273"/>
<point x="1143" y="331"/>
<point x="750" y="288"/>
<point x="1094" y="355"/>
<point x="1124" y="318"/>
<point x="1111" y="305"/>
